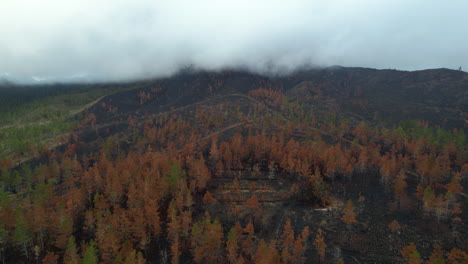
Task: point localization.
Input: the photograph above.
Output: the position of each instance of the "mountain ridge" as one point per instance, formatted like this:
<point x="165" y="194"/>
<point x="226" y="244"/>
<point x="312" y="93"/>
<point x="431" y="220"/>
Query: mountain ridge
<point x="437" y="95"/>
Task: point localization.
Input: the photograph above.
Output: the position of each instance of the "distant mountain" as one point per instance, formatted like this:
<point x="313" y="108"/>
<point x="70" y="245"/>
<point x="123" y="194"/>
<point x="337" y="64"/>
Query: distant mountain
<point x="18" y="79"/>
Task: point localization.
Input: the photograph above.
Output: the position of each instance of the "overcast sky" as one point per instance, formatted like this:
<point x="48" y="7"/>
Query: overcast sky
<point x="119" y="40"/>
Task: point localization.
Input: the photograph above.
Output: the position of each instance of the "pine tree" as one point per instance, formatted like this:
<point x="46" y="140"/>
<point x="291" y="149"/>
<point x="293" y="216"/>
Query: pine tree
<point x="254" y="206"/>
<point x="232" y="246"/>
<point x="300" y="246"/>
<point x="71" y="253"/>
<point x="320" y="245"/>
<point x="90" y="255"/>
<point x="454" y="186"/>
<point x="394" y="226"/>
<point x="287" y="242"/>
<point x="50" y="258"/>
<point x="415" y="258"/>
<point x="207" y="241"/>
<point x="409" y="252"/>
<point x="22" y="233"/>
<point x="135" y="258"/>
<point x="349" y="216"/>
<point x="175" y="250"/>
<point x="399" y="186"/>
<point x="428" y="199"/>
<point x="267" y="253"/>
<point x="437" y="256"/>
<point x="214" y="152"/>
<point x="457" y="256"/>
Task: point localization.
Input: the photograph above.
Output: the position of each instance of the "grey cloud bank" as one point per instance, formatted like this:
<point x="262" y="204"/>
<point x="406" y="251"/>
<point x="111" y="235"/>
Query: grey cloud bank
<point x="112" y="40"/>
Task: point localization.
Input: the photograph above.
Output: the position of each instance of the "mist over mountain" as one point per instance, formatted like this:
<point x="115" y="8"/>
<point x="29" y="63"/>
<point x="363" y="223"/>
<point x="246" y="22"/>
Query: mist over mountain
<point x="233" y="131"/>
<point x="48" y="41"/>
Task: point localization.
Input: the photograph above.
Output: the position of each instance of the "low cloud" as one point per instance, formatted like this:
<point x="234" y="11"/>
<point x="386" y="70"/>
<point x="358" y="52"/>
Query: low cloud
<point x="111" y="40"/>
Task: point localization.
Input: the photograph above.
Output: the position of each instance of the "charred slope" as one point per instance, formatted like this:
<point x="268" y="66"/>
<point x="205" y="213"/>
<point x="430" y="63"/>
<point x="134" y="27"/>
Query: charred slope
<point x="236" y="167"/>
<point x="439" y="96"/>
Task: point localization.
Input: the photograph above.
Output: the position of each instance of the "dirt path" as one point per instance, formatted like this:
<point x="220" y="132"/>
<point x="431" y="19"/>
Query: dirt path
<point x="222" y="130"/>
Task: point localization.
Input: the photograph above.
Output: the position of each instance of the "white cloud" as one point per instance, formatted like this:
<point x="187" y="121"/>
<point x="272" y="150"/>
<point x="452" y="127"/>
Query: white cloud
<point x="116" y="39"/>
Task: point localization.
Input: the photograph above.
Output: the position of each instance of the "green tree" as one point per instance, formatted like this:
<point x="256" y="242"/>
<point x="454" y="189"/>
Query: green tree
<point x="90" y="255"/>
<point x="22" y="234"/>
<point x="71" y="253"/>
<point x="134" y="258"/>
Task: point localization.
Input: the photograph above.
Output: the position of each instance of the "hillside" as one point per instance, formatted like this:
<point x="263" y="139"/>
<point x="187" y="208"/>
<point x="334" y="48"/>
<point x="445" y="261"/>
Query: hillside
<point x="321" y="166"/>
<point x="438" y="96"/>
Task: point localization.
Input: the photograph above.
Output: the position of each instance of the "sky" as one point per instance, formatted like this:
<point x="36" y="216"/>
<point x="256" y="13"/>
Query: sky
<point x="114" y="40"/>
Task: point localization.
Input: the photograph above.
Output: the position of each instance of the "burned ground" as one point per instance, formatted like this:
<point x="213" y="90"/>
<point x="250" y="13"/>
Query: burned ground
<point x="203" y="149"/>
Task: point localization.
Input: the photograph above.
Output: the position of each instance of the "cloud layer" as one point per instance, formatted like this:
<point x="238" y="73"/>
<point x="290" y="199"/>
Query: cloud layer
<point x="120" y="40"/>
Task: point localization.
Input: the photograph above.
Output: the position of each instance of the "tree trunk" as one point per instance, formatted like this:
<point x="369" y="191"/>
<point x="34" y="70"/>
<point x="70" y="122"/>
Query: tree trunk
<point x="348" y="227"/>
<point x="25" y="248"/>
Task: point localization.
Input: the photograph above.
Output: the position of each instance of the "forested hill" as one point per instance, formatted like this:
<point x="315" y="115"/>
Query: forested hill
<point x="335" y="165"/>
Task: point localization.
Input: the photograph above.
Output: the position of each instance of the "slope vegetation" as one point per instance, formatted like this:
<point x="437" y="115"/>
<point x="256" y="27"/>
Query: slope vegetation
<point x="338" y="164"/>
